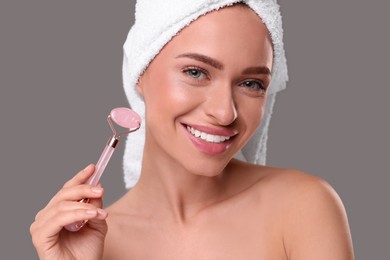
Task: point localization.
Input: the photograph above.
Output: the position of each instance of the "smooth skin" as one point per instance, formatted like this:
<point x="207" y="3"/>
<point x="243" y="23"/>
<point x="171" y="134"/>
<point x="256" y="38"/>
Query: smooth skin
<point x="197" y="202"/>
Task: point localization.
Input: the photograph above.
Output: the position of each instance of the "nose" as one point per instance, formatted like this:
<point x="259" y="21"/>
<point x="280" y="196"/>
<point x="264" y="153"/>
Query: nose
<point x="220" y="105"/>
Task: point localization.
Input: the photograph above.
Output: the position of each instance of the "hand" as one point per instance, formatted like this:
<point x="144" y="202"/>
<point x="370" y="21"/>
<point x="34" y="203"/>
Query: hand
<point x="50" y="238"/>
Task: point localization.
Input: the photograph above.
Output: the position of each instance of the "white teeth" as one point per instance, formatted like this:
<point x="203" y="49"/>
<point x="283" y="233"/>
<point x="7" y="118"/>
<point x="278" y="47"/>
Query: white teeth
<point x="217" y="139"/>
<point x="207" y="137"/>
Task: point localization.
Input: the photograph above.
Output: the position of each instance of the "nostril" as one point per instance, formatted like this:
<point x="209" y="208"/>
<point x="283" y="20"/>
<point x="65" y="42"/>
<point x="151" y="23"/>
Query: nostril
<point x="220" y="104"/>
<point x="225" y="115"/>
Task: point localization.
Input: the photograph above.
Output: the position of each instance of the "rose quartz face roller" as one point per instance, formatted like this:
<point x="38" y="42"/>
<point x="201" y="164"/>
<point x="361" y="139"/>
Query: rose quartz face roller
<point x="126" y="118"/>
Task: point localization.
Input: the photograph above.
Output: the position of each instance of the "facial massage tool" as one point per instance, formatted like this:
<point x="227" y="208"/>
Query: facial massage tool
<point x="126" y="118"/>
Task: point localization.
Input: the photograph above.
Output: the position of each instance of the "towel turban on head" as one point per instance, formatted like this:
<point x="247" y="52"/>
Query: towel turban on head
<point x="156" y="22"/>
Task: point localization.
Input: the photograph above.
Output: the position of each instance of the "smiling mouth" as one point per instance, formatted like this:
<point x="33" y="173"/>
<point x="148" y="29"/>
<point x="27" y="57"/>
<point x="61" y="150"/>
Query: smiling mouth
<point x="210" y="138"/>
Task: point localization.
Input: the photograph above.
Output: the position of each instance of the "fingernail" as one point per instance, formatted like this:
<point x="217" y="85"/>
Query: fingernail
<point x="97" y="189"/>
<point x="91" y="211"/>
<point x="87" y="168"/>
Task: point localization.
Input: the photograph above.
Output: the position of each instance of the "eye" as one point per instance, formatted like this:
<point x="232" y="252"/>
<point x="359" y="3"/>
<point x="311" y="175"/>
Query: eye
<point x="195" y="73"/>
<point x="254" y="85"/>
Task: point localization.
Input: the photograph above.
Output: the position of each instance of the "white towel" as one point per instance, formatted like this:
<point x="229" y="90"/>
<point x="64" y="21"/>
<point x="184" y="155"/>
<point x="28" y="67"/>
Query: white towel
<point x="156" y="22"/>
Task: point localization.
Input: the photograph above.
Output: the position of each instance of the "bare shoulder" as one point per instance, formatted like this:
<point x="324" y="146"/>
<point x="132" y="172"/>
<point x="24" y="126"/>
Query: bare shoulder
<point x="288" y="183"/>
<point x="315" y="224"/>
<point x="298" y="186"/>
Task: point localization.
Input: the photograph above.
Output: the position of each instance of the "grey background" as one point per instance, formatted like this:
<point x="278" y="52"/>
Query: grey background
<point x="60" y="76"/>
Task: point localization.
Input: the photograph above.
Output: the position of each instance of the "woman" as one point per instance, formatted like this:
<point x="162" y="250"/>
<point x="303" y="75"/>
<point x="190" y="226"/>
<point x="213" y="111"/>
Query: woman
<point x="205" y="93"/>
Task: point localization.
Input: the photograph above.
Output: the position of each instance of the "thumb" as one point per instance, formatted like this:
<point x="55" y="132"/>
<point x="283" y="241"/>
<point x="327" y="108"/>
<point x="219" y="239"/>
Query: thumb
<point x="99" y="223"/>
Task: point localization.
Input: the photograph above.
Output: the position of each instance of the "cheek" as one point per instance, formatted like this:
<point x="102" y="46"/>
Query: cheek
<point x="167" y="96"/>
<point x="251" y="113"/>
<point x="257" y="117"/>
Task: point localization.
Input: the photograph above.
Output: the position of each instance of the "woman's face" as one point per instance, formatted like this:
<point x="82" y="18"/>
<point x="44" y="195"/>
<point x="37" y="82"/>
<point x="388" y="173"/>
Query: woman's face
<point x="205" y="91"/>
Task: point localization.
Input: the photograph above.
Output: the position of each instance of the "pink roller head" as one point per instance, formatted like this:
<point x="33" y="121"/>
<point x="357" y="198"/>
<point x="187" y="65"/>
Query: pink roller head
<point x="125" y="117"/>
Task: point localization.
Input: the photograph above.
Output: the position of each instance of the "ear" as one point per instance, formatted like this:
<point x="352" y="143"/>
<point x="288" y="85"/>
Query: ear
<point x="139" y="86"/>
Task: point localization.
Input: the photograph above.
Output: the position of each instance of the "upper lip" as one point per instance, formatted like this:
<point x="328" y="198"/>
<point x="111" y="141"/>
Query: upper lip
<point x="213" y="131"/>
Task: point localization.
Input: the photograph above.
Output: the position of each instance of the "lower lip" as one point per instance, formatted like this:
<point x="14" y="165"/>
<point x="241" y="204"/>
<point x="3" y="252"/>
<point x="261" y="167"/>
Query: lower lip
<point x="206" y="147"/>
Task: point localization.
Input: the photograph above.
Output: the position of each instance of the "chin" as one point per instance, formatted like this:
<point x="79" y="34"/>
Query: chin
<point x="207" y="167"/>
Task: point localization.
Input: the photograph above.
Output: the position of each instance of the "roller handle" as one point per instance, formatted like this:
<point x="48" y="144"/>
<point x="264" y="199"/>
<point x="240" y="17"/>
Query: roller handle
<point x="94" y="179"/>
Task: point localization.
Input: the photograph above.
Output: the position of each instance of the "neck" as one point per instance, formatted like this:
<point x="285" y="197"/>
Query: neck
<point x="172" y="191"/>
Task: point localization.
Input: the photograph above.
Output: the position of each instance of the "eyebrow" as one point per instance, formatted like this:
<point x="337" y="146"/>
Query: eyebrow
<point x="257" y="70"/>
<point x="218" y="65"/>
<point x="202" y="58"/>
